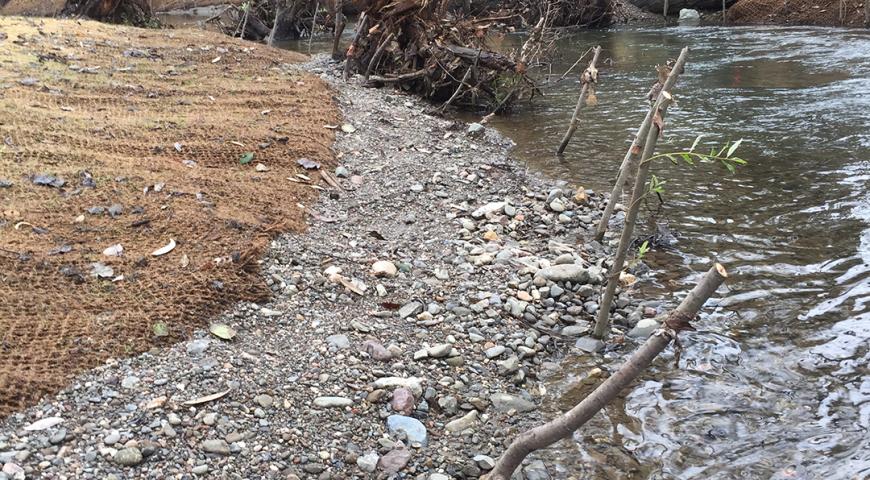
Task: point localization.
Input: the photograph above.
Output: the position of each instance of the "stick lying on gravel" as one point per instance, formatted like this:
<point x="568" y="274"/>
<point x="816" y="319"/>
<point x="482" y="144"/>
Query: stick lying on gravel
<point x="564" y="425"/>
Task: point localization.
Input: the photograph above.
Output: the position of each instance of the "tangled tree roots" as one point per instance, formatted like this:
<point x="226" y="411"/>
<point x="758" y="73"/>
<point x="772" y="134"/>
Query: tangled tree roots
<point x="410" y="43"/>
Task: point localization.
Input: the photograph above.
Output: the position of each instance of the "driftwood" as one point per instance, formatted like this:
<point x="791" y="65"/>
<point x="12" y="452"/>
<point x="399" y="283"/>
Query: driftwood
<point x="637" y="143"/>
<point x="589" y="78"/>
<point x="406" y="43"/>
<point x="602" y="322"/>
<point x="564" y="425"/>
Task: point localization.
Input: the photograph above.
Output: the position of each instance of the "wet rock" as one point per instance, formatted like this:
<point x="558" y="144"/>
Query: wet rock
<point x="536" y="470"/>
<point x="411" y="427"/>
<point x="504" y="402"/>
<point x="589" y="344"/>
<point x="484" y="462"/>
<point x="644" y="328"/>
<point x="475" y="130"/>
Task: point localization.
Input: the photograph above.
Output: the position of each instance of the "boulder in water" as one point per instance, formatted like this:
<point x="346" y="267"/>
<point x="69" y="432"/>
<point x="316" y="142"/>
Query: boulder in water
<point x="689" y="16"/>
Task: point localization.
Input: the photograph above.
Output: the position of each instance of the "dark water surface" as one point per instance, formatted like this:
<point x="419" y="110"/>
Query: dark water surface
<point x="776" y="384"/>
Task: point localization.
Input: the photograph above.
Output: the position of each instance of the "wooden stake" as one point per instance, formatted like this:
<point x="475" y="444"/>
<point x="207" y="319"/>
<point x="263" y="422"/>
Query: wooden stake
<point x="589" y="76"/>
<point x="636" y="146"/>
<point x="373" y="63"/>
<point x="602" y="322"/>
<point x="665" y="10"/>
<point x="351" y="50"/>
<point x="564" y="425"/>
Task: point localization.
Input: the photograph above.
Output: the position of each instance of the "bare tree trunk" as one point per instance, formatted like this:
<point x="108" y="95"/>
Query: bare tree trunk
<point x="724" y="21"/>
<point x="602" y="323"/>
<point x="665" y="10"/>
<point x="867" y="13"/>
<point x="564" y="425"/>
<point x="313" y="25"/>
<point x="351" y="50"/>
<point x="635" y="148"/>
<point x="279" y="9"/>
<point x="373" y="63"/>
<point x="340" y="23"/>
<point x="588" y="78"/>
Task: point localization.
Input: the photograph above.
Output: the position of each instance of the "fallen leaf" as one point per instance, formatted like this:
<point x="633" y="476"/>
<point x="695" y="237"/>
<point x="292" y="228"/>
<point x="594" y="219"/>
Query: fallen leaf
<point x="156" y="403"/>
<point x="43" y="424"/>
<point x="207" y="398"/>
<point x="246" y="158"/>
<point x="178" y="146"/>
<point x="184" y="261"/>
<point x="222" y="331"/>
<point x="160" y="329"/>
<point x="261" y="168"/>
<point x="164" y="249"/>
<point x="101" y="270"/>
<point x="348" y="128"/>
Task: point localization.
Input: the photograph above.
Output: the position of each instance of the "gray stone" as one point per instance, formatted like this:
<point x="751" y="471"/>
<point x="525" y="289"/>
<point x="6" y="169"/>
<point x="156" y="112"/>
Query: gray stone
<point x="368" y="462"/>
<point x="128" y="457"/>
<point x="332" y="402"/>
<point x="462" y="423"/>
<point x="487" y="209"/>
<point x="112" y="438"/>
<point x="197" y="347"/>
<point x="439" y="351"/>
<point x="338" y="341"/>
<point x="565" y="273"/>
<point x="689" y="16"/>
<point x="536" y="471"/>
<point x="264" y="400"/>
<point x="575" y="330"/>
<point x="589" y="344"/>
<point x="475" y="129"/>
<point x="484" y="462"/>
<point x="215" y="446"/>
<point x="414" y="384"/>
<point x="411" y="427"/>
<point x="495" y="351"/>
<point x="644" y="328"/>
<point x="410" y="308"/>
<point x="504" y="402"/>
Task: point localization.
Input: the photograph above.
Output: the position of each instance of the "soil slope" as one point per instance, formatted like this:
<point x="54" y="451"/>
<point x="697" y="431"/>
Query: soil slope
<point x="120" y="136"/>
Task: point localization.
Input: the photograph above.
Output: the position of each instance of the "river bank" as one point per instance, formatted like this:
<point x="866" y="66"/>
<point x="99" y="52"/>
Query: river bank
<point x="425" y="368"/>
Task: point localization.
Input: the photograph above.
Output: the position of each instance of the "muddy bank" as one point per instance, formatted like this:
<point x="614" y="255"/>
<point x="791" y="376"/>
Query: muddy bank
<point x="411" y="327"/>
<point x="117" y="142"/>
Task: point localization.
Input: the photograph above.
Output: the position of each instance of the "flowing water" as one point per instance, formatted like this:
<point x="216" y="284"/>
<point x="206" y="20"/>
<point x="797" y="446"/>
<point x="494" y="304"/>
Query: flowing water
<point x="775" y="384"/>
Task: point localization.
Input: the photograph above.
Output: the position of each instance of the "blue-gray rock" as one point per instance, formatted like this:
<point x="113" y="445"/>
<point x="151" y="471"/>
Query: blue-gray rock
<point x="644" y="328"/>
<point x="368" y="462"/>
<point x="589" y="344"/>
<point x="411" y="427"/>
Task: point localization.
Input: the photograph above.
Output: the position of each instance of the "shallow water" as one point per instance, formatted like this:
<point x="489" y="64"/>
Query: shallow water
<point x="776" y="383"/>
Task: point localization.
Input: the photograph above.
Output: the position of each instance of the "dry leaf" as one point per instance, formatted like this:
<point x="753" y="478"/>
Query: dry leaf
<point x="164" y="249"/>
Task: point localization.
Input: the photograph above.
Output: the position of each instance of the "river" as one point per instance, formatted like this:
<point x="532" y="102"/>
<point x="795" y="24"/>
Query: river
<point x="775" y="382"/>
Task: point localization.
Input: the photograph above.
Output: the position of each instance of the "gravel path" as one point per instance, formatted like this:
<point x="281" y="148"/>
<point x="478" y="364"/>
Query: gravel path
<point x="411" y="327"/>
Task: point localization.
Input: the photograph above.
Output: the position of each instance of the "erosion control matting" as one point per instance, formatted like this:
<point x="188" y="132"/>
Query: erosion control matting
<point x="120" y="136"/>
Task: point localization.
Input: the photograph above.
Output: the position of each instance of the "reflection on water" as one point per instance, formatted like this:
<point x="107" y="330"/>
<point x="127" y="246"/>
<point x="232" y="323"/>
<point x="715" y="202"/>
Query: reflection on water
<point x="776" y="383"/>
